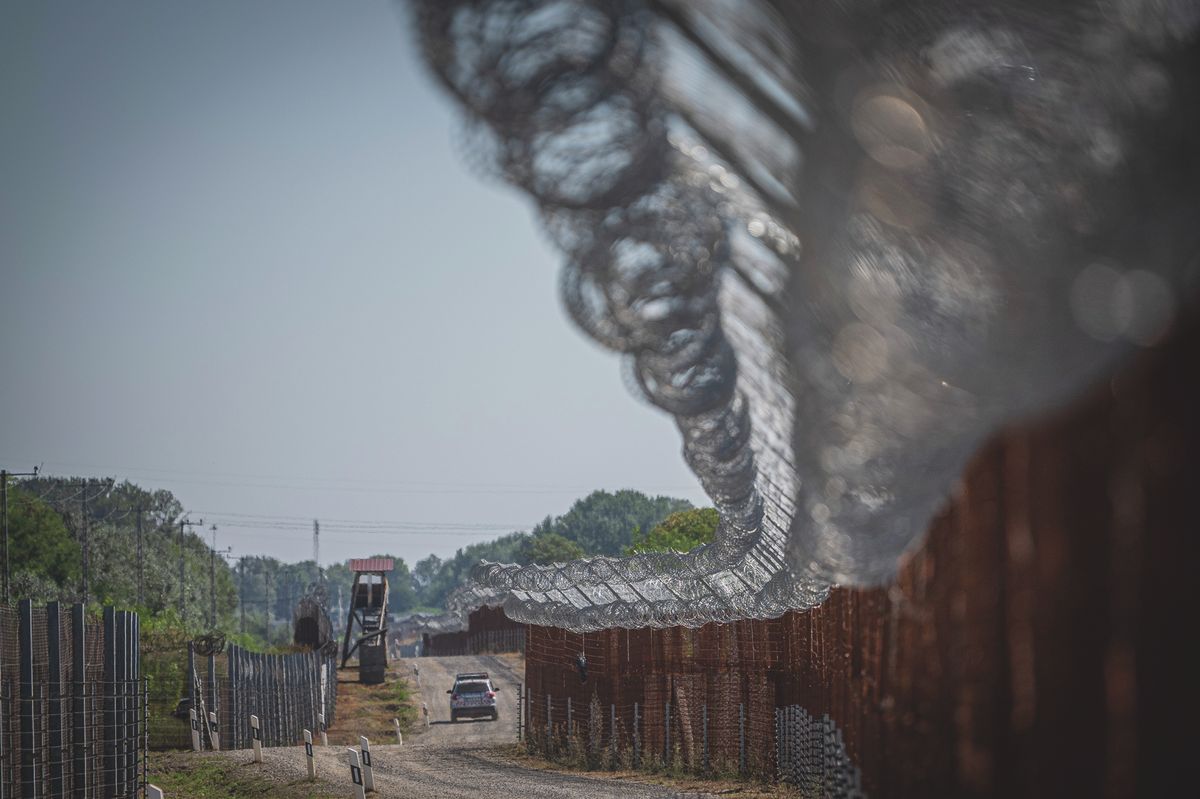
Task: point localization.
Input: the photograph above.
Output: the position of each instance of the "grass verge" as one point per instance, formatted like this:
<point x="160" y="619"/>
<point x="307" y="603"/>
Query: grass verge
<point x="183" y="775"/>
<point x="369" y="709"/>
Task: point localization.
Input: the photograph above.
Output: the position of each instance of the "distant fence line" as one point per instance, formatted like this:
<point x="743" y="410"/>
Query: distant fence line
<point x="288" y="693"/>
<point x="488" y="630"/>
<point x="73" y="703"/>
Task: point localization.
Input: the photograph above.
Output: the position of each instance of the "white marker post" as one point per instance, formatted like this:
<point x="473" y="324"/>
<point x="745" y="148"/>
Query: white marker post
<point x="195" y="730"/>
<point x="153" y="792"/>
<point x="356" y="776"/>
<point x="213" y="731"/>
<point x="425" y="710"/>
<point x="399" y="737"/>
<point x="368" y="771"/>
<point x="308" y="755"/>
<point x="256" y="735"/>
<point x="321" y="727"/>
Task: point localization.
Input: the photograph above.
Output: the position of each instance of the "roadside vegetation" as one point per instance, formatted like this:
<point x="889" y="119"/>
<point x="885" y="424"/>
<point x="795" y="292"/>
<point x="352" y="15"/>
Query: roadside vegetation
<point x="183" y="775"/>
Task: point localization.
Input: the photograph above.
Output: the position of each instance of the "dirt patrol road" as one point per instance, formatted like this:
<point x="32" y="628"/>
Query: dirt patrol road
<point x="462" y="760"/>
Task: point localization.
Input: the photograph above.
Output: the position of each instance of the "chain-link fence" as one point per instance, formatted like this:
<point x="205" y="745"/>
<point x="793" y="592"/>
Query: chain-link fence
<point x="73" y="703"/>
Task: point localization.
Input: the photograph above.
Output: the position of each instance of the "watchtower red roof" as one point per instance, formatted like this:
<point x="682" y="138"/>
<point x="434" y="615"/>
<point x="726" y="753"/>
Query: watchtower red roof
<point x="371" y="564"/>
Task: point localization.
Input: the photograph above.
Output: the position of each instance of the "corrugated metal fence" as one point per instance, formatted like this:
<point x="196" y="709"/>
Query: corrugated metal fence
<point x="72" y="703"/>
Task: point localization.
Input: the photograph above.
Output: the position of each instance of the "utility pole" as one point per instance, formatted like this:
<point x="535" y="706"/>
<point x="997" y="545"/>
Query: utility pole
<point x="4" y="475"/>
<point x="242" y="594"/>
<point x="140" y="560"/>
<point x="267" y="604"/>
<point x="182" y="589"/>
<point x="317" y="547"/>
<point x="212" y="578"/>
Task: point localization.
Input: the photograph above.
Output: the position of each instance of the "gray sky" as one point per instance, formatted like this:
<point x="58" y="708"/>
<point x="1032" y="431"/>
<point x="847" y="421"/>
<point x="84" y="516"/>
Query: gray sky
<point x="240" y="258"/>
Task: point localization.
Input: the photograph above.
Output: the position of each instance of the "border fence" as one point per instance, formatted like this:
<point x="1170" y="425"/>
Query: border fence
<point x="289" y="693"/>
<point x="73" y="703"/>
<point x="1032" y="647"/>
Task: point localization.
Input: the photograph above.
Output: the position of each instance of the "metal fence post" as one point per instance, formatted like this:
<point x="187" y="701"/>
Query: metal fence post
<point x="741" y="738"/>
<point x="612" y="734"/>
<point x="520" y="708"/>
<point x="110" y="711"/>
<point x="704" y="725"/>
<point x="53" y="641"/>
<point x="667" y="732"/>
<point x="79" y="726"/>
<point x="29" y="784"/>
<point x="637" y="750"/>
<point x="570" y="722"/>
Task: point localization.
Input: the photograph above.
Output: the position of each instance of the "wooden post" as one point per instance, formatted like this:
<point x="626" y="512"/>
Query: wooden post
<point x="308" y="755"/>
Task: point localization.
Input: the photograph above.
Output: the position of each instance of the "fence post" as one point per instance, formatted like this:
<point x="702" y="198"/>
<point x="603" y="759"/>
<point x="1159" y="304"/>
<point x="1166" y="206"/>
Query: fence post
<point x="368" y="770"/>
<point x="120" y="667"/>
<point x="79" y="726"/>
<point x="325" y="735"/>
<point x="637" y="752"/>
<point x="308" y="755"/>
<point x="612" y="734"/>
<point x="667" y="732"/>
<point x="520" y="712"/>
<point x="356" y="776"/>
<point x="741" y="738"/>
<point x="570" y="722"/>
<point x="256" y="738"/>
<point x="53" y="641"/>
<point x="110" y="713"/>
<point x="29" y="785"/>
<point x="704" y="725"/>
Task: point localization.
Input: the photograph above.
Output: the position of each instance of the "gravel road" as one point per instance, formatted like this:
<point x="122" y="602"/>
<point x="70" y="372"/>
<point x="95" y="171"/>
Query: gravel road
<point x="447" y="760"/>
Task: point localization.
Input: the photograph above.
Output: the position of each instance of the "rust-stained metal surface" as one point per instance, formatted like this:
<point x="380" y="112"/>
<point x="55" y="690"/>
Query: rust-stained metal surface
<point x="371" y="564"/>
<point x="488" y="630"/>
<point x="1036" y="645"/>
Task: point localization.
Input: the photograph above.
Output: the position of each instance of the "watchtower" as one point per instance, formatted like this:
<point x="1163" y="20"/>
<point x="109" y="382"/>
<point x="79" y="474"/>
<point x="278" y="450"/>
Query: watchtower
<point x="368" y="610"/>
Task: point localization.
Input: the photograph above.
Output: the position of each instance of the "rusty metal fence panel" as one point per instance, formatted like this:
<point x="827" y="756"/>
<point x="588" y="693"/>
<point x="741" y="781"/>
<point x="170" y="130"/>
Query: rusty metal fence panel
<point x="1033" y="647"/>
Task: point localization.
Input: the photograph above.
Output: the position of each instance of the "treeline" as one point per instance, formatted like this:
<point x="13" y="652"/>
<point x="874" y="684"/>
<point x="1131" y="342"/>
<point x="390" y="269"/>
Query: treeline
<point x="122" y="534"/>
<point x="602" y="523"/>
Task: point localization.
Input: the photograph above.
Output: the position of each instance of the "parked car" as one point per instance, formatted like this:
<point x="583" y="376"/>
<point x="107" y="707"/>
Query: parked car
<point x="473" y="696"/>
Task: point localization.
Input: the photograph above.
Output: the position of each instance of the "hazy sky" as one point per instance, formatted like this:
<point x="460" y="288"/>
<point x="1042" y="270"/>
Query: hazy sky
<point x="241" y="258"/>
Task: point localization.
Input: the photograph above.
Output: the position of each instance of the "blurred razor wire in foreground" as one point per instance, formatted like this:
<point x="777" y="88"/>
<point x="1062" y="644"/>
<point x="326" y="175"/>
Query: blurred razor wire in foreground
<point x="840" y="243"/>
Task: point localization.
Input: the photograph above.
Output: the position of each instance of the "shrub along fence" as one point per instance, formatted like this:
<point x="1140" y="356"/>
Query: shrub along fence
<point x="289" y="693"/>
<point x="72" y="703"/>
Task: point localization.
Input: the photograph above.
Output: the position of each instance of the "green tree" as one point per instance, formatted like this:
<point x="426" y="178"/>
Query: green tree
<point x="682" y="531"/>
<point x="41" y="548"/>
<point x="603" y="523"/>
<point x="549" y="548"/>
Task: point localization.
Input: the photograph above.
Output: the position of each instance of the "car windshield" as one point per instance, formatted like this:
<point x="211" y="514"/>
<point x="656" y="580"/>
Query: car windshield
<point x="471" y="687"/>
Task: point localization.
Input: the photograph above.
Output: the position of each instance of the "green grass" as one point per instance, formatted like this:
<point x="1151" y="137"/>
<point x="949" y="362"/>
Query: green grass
<point x="187" y="776"/>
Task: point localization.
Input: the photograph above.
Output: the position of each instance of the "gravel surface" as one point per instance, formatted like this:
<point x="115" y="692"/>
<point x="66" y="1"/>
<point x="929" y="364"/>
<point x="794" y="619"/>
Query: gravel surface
<point x="445" y="760"/>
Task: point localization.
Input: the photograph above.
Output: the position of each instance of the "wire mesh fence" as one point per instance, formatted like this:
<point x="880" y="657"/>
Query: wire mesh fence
<point x="286" y="693"/>
<point x="73" y="703"/>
